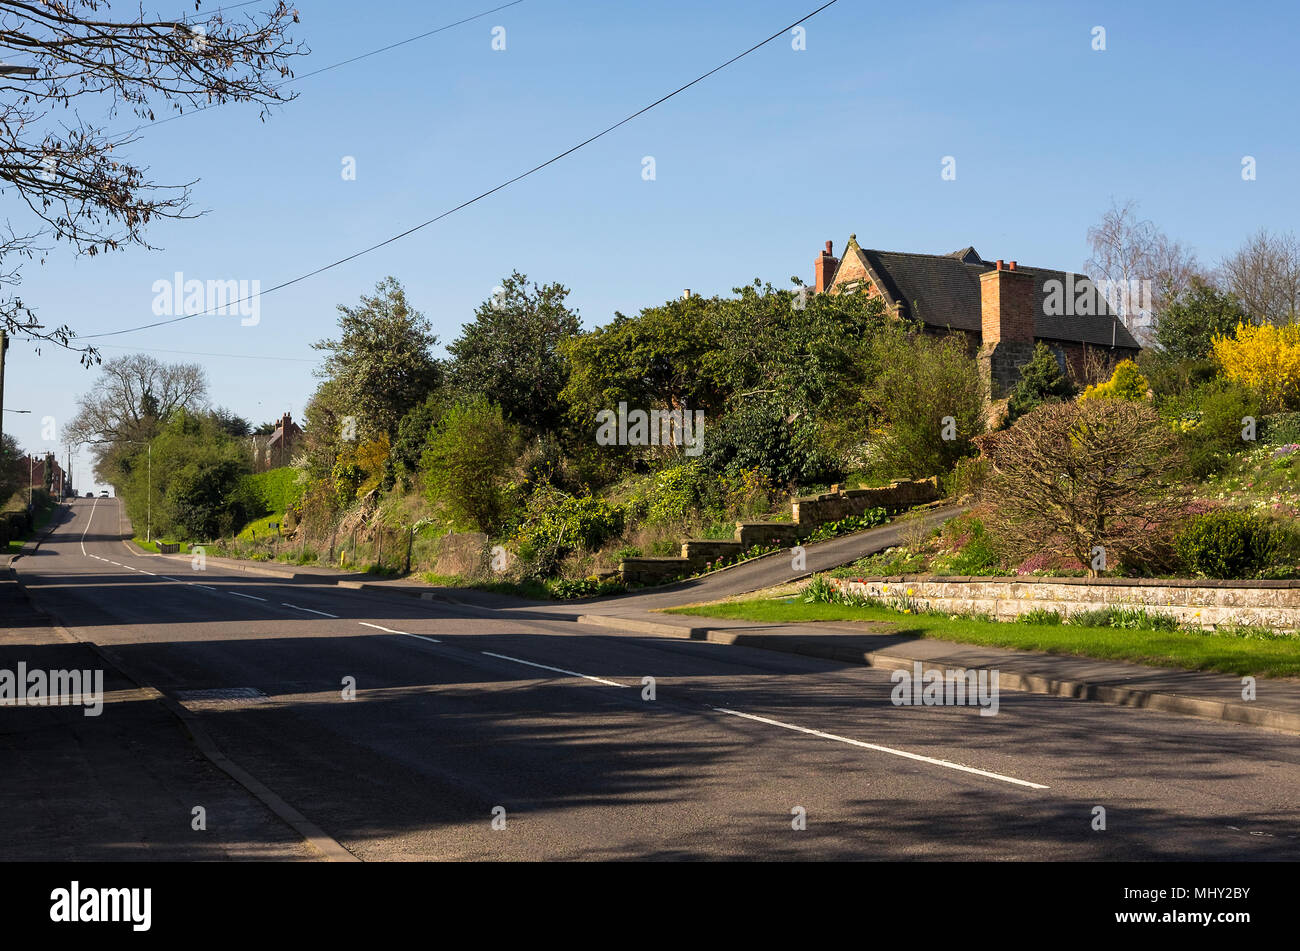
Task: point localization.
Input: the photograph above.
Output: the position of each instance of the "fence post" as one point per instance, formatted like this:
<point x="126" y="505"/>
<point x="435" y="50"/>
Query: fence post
<point x="333" y="535"/>
<point x="379" y="548"/>
<point x="354" y="545"/>
<point x="410" y="541"/>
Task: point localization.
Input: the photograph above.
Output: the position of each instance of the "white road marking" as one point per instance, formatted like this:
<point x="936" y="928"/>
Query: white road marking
<point x="170" y="578"/>
<point x="149" y="573"/>
<point x="312" y="610"/>
<point x="89" y="518"/>
<point x="883" y="749"/>
<point x="558" y="670"/>
<point x="203" y="586"/>
<point x="251" y="597"/>
<point x="389" y="630"/>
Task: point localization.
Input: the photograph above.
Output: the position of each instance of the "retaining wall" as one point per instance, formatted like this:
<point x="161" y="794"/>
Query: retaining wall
<point x="1204" y="603"/>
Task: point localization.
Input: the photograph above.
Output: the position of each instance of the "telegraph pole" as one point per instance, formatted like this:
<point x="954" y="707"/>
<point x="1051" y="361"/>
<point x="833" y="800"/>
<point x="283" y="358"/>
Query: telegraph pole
<point x="4" y="345"/>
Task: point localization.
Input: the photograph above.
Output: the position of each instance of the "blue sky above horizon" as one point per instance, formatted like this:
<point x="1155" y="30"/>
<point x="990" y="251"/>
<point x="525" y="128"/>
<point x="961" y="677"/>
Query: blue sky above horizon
<point x="756" y="167"/>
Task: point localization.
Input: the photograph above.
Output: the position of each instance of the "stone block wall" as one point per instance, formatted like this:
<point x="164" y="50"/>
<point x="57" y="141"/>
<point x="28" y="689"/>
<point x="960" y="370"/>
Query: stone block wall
<point x="1204" y="603"/>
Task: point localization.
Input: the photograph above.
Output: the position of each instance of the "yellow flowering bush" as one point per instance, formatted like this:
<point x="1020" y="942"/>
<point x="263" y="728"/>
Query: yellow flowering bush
<point x="1125" y="383"/>
<point x="1264" y="358"/>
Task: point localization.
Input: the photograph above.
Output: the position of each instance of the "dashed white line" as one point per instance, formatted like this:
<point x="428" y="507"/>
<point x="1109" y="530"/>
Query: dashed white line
<point x="558" y="670"/>
<point x="251" y="597"/>
<point x="389" y="630"/>
<point x="947" y="764"/>
<point x="203" y="586"/>
<point x="312" y="610"/>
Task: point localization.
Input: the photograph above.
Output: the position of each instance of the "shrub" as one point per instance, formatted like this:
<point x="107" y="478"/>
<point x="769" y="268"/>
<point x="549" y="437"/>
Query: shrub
<point x="758" y="437"/>
<point x="1208" y="423"/>
<point x="1069" y="477"/>
<point x="565" y="524"/>
<point x="466" y="462"/>
<point x="1125" y="383"/>
<point x="1133" y="619"/>
<point x="1041" y="381"/>
<point x="976" y="556"/>
<point x="1264" y="358"/>
<point x="1236" y="544"/>
<point x="680" y="491"/>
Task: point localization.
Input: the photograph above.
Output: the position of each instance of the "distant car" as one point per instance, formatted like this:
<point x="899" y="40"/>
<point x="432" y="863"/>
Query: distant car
<point x="90" y="495"/>
<point x="103" y="493"/>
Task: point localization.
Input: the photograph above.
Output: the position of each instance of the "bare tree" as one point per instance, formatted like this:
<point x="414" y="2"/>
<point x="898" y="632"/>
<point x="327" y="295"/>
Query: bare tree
<point x="72" y="177"/>
<point x="131" y="399"/>
<point x="1079" y="478"/>
<point x="1140" y="268"/>
<point x="1264" y="275"/>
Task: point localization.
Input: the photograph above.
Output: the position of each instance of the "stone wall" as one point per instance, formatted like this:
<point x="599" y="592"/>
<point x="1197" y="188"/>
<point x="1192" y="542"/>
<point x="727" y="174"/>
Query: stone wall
<point x="807" y="514"/>
<point x="1272" y="604"/>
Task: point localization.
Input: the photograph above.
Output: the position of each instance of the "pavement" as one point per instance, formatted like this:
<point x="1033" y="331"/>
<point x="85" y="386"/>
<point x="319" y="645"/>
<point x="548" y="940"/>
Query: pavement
<point x="404" y="728"/>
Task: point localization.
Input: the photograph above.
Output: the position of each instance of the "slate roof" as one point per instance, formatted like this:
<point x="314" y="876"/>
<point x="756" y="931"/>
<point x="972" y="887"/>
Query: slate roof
<point x="943" y="290"/>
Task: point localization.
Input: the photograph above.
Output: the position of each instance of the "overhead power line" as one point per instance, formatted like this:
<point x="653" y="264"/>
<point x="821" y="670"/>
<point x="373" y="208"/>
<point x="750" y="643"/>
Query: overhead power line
<point x="479" y="197"/>
<point x="326" y="69"/>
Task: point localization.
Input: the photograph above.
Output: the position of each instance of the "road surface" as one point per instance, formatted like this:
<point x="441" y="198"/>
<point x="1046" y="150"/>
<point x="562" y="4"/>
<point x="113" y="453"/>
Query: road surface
<point x="522" y="735"/>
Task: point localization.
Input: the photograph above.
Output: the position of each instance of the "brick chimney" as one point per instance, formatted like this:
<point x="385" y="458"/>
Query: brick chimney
<point x="824" y="269"/>
<point x="1006" y="326"/>
<point x="285" y="422"/>
<point x="1006" y="305"/>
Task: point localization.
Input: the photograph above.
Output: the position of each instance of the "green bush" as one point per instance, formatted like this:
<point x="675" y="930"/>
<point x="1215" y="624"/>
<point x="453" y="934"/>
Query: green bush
<point x="976" y="557"/>
<point x="466" y="464"/>
<point x="1236" y="544"/>
<point x="1208" y="422"/>
<point x="565" y="524"/>
<point x="1133" y="619"/>
<point x="1041" y="381"/>
<point x="680" y="492"/>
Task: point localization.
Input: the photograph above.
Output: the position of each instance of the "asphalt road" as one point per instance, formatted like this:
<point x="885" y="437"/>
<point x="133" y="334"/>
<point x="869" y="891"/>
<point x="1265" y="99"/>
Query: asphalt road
<point x="459" y="713"/>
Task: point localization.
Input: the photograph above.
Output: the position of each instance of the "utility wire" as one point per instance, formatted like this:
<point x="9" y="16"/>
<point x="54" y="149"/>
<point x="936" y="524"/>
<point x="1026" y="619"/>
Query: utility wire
<point x="478" y="197"/>
<point x="325" y="69"/>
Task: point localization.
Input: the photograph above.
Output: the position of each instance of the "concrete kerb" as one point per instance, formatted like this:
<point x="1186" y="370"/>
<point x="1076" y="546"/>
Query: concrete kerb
<point x="1011" y="680"/>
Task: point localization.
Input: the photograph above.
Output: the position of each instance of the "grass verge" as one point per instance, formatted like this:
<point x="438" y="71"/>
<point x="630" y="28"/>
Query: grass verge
<point x="1192" y="650"/>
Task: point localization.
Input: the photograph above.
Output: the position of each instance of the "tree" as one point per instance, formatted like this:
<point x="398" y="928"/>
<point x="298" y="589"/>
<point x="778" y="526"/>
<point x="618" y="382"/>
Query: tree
<point x="467" y="461"/>
<point x="194" y="478"/>
<point x="133" y="396"/>
<point x="925" y="403"/>
<point x="1083" y="479"/>
<point x="382" y="364"/>
<point x="11" y="474"/>
<point x="511" y="352"/>
<point x="77" y="181"/>
<point x="1264" y="274"/>
<point x="1186" y="328"/>
<point x="1041" y="381"/>
<point x="1127" y="251"/>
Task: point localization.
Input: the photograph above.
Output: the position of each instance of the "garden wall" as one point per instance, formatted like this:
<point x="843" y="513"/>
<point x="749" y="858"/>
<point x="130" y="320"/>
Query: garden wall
<point x="806" y="515"/>
<point x="1205" y="603"/>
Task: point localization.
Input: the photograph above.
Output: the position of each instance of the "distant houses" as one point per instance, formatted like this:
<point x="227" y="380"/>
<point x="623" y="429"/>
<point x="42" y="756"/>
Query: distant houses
<point x="276" y="448"/>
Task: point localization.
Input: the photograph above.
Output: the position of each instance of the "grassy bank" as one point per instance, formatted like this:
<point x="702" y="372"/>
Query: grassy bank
<point x="1277" y="656"/>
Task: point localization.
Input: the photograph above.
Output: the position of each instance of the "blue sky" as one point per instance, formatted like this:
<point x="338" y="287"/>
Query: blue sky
<point x="755" y="168"/>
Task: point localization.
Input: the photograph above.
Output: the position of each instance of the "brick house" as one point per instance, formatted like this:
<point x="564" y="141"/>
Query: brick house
<point x="1002" y="308"/>
<point x="275" y="450"/>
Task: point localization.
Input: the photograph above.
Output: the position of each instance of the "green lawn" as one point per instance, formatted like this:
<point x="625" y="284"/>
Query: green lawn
<point x="1267" y="657"/>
